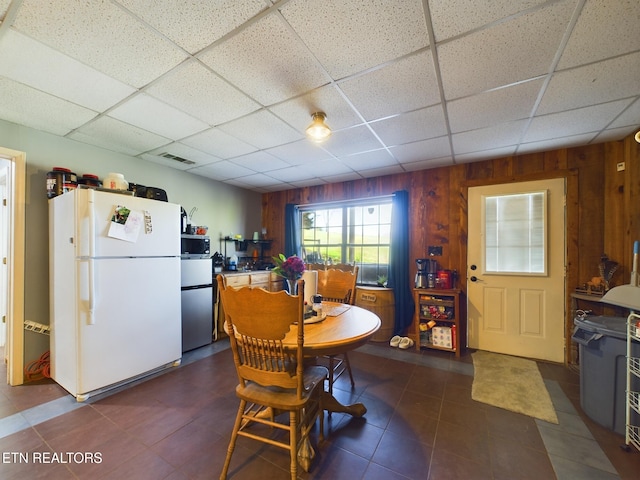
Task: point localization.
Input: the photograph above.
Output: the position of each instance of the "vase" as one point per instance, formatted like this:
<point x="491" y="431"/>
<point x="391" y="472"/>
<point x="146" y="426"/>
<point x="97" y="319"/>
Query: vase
<point x="292" y="286"/>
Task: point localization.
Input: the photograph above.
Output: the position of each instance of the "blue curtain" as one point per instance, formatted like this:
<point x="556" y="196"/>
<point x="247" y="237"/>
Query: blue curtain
<point x="399" y="263"/>
<point x="291" y="230"/>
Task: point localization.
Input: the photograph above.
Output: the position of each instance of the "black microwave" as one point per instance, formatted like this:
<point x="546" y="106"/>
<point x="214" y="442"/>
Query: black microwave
<point x="195" y="246"/>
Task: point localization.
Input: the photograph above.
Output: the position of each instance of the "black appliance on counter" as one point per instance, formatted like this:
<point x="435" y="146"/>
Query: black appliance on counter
<point x="218" y="263"/>
<point x="427" y="272"/>
<point x="195" y="246"/>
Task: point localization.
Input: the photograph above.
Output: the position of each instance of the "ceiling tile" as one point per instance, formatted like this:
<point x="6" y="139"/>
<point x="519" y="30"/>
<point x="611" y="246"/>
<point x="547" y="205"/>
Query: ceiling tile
<point x="372" y="32"/>
<point x="193" y="88"/>
<point x="379" y="172"/>
<point x="555" y="143"/>
<point x="410" y="127"/>
<point x="194" y="25"/>
<point x="345" y="177"/>
<point x="260" y="162"/>
<point x="333" y="165"/>
<point x="101" y="35"/>
<point x="630" y="117"/>
<point x="66" y="78"/>
<point x="274" y="70"/>
<point x="423" y="150"/>
<point x="303" y="152"/>
<point x="223" y="170"/>
<point x="269" y="66"/>
<point x="397" y="88"/>
<point x="297" y="111"/>
<point x="182" y="151"/>
<point x="602" y="31"/>
<point x="596" y="83"/>
<point x="496" y="106"/>
<point x="501" y="135"/>
<point x="486" y="154"/>
<point x="291" y="174"/>
<point x="26" y="106"/>
<point x="573" y="122"/>
<point x="150" y="114"/>
<point x="502" y="54"/>
<point x="369" y="160"/>
<point x="118" y="136"/>
<point x="351" y="140"/>
<point x="310" y="182"/>
<point x="426" y="164"/>
<point x="454" y="17"/>
<point x="614" y="134"/>
<point x="257" y="180"/>
<point x="219" y="144"/>
<point x="261" y="129"/>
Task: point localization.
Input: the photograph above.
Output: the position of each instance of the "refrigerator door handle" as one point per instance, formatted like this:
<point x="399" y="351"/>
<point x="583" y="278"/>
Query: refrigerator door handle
<point x="92" y="222"/>
<point x="92" y="293"/>
<point x="92" y="254"/>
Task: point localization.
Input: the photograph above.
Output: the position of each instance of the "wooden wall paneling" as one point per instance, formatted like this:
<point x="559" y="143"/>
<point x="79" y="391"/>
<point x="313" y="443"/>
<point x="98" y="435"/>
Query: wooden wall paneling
<point x="591" y="209"/>
<point x="572" y="202"/>
<point x="528" y="164"/>
<point x="631" y="197"/>
<point x="615" y="211"/>
<point x="437" y="215"/>
<point x="418" y="206"/>
<point x="555" y="160"/>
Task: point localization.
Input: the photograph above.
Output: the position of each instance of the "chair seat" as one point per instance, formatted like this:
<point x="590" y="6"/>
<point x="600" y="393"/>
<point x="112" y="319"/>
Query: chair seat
<point x="284" y="399"/>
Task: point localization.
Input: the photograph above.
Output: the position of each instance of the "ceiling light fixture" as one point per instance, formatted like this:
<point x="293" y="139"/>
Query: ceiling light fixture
<point x="318" y="130"/>
<point x="638" y="136"/>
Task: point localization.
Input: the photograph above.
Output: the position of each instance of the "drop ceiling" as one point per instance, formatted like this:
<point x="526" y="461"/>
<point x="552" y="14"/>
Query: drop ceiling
<point x="226" y="88"/>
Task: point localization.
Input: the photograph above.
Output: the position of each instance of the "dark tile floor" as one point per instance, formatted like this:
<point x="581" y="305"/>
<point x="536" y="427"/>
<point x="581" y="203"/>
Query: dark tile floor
<point x="421" y="424"/>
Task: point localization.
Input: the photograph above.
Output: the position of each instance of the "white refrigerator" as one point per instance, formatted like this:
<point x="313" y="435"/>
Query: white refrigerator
<point x="114" y="289"/>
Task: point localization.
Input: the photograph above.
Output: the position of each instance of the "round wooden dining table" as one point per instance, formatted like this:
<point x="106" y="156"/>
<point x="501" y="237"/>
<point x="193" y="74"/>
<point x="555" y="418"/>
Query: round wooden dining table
<point x="345" y="328"/>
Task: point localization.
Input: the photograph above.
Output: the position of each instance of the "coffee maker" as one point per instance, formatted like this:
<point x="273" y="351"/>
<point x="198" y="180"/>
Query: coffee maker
<point x="426" y="275"/>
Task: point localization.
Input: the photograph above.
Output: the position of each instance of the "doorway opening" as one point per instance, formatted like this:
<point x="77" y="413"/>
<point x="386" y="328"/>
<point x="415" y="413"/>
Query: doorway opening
<point x="12" y="258"/>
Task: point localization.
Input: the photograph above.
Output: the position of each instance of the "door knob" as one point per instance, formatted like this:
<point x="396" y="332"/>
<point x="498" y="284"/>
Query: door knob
<point x="473" y="267"/>
<point x="474" y="278"/>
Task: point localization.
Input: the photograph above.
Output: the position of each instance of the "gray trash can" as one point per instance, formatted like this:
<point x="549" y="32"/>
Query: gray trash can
<point x="603" y="369"/>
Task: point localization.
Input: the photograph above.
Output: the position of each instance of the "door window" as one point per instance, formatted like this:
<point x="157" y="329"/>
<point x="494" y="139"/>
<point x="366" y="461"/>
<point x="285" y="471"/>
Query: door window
<point x="515" y="234"/>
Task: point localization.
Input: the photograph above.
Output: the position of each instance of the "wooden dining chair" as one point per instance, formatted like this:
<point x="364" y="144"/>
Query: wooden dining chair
<point x="315" y="266"/>
<point x="272" y="377"/>
<point x="338" y="286"/>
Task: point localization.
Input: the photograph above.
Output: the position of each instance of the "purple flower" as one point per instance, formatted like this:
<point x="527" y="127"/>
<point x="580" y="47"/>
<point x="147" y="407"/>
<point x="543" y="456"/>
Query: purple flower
<point x="290" y="268"/>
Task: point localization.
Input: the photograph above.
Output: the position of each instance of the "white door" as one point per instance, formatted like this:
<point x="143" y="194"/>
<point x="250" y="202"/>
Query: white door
<point x="516" y="261"/>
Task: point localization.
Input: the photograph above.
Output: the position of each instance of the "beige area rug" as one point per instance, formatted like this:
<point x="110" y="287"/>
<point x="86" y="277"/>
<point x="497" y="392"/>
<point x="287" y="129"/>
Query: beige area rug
<point x="511" y="383"/>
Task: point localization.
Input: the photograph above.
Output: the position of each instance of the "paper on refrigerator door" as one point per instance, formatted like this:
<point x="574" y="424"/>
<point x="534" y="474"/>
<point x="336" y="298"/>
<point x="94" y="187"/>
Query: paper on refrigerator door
<point x="126" y="224"/>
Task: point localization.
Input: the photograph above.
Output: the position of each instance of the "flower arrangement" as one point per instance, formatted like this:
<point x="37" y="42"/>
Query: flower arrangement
<point x="289" y="268"/>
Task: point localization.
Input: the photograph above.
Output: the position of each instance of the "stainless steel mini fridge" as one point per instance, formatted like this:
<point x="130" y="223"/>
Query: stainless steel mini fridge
<point x="197" y="302"/>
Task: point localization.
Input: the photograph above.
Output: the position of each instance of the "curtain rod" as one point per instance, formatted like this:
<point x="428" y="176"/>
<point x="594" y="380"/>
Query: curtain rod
<point x="357" y="201"/>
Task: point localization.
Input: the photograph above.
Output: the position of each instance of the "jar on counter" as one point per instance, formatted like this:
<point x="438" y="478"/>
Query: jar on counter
<point x="90" y="180"/>
<point x="60" y="180"/>
<point x="116" y="181"/>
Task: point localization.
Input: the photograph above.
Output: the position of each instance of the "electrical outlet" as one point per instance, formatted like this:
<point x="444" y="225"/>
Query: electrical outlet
<point x="435" y="251"/>
<point x="620" y="166"/>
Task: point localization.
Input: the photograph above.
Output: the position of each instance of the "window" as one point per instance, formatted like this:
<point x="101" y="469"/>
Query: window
<point x="515" y="233"/>
<point x="356" y="233"/>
